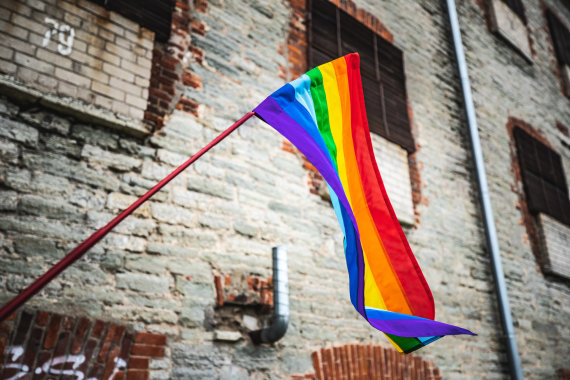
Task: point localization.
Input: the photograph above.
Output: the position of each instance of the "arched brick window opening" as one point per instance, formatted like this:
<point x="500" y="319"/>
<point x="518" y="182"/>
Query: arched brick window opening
<point x="41" y="344"/>
<point x="368" y="362"/>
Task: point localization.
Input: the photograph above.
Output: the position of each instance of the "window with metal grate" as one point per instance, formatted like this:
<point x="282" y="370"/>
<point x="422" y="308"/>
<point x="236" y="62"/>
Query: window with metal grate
<point x="543" y="178"/>
<point x="560" y="37"/>
<point x="333" y="33"/>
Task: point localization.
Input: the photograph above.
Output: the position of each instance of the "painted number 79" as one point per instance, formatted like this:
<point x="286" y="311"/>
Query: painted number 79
<point x="65" y="34"/>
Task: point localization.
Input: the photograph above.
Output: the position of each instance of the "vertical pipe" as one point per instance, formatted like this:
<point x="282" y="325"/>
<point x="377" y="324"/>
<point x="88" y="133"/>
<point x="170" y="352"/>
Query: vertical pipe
<point x="491" y="232"/>
<point x="280" y="320"/>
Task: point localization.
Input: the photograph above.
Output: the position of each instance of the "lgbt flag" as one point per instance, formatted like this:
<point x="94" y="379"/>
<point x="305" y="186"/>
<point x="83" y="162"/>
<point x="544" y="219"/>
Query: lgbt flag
<point x="322" y="113"/>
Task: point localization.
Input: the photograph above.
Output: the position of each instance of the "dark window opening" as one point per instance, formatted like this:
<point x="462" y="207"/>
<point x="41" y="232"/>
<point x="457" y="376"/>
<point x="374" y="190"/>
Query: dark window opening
<point x="517" y="7"/>
<point x="560" y="38"/>
<point x="333" y="33"/>
<point x="155" y="15"/>
<point x="543" y="178"/>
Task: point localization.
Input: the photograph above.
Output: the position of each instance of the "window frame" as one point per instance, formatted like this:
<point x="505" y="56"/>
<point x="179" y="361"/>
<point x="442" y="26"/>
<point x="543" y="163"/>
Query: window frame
<point x="543" y="177"/>
<point x="155" y="15"/>
<point x="517" y="7"/>
<point x="391" y="119"/>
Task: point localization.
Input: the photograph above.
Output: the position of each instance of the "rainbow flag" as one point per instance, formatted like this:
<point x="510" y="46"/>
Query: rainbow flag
<point x="322" y="113"/>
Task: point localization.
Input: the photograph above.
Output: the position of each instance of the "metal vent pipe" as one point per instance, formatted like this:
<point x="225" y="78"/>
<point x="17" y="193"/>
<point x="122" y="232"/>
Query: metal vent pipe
<point x="280" y="318"/>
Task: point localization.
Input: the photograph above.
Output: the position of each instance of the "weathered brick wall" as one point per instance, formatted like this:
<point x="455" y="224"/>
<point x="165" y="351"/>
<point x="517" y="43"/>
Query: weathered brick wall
<point x="39" y="344"/>
<point x="60" y="179"/>
<point x="79" y="51"/>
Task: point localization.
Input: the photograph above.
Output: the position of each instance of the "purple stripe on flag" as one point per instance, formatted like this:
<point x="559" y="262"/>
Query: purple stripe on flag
<point x="270" y="111"/>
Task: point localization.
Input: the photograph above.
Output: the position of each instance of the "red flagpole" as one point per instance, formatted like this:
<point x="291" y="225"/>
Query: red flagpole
<point x="80" y="250"/>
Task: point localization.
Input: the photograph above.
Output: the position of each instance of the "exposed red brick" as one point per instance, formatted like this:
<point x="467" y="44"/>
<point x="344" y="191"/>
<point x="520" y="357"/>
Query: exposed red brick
<point x="4" y="335"/>
<point x="197" y="53"/>
<point x="33" y="346"/>
<point x="198" y="27"/>
<point x="219" y="290"/>
<point x="42" y="318"/>
<point x="182" y="5"/>
<point x="147" y="350"/>
<point x="119" y="332"/>
<point x="111" y="362"/>
<point x="97" y="371"/>
<point x="307" y="165"/>
<point x="187" y="105"/>
<point x="88" y="352"/>
<point x="62" y="343"/>
<point x="191" y="79"/>
<point x="167" y="66"/>
<point x="52" y="331"/>
<point x="69" y="323"/>
<point x="200" y="6"/>
<point x="288" y="147"/>
<point x="126" y="346"/>
<point x="150" y="338"/>
<point x="79" y="337"/>
<point x="416" y="182"/>
<point x="98" y="329"/>
<point x="24" y="325"/>
<point x="138" y="362"/>
<point x="317" y="365"/>
<point x="106" y="343"/>
<point x="42" y="357"/>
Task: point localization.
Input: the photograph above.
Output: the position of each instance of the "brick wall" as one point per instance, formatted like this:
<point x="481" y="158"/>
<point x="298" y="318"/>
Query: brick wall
<point x="362" y="362"/>
<point x="77" y="50"/>
<point x="61" y="178"/>
<point x="39" y="344"/>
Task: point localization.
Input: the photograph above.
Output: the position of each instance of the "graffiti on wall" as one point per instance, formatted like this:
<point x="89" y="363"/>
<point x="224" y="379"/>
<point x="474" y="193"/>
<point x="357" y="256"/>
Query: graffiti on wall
<point x="56" y="366"/>
<point x="65" y="34"/>
<point x="37" y="344"/>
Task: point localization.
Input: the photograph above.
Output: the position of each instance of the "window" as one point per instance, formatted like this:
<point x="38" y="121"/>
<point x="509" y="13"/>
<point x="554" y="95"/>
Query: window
<point x="543" y="178"/>
<point x="517" y="7"/>
<point x="509" y="22"/>
<point x="560" y="38"/>
<point x="155" y="15"/>
<point x="333" y="33"/>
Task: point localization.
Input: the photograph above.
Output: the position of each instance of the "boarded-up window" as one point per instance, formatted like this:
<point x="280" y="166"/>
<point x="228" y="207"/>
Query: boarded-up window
<point x="543" y="177"/>
<point x="333" y="33"/>
<point x="155" y="15"/>
<point x="560" y="38"/>
<point x="517" y="7"/>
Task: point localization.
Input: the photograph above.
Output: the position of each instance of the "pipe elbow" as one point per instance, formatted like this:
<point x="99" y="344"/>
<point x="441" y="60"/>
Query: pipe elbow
<point x="280" y="319"/>
<point x="271" y="333"/>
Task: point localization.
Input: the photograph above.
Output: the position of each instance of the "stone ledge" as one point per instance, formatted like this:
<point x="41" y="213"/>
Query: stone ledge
<point x="88" y="113"/>
<point x="510" y="27"/>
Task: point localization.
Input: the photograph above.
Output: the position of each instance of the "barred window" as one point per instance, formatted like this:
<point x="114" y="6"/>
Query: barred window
<point x="543" y="178"/>
<point x="333" y="33"/>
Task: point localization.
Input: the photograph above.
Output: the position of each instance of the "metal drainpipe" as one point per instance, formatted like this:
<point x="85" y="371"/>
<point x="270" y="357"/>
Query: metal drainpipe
<point x="280" y="319"/>
<point x="492" y="241"/>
